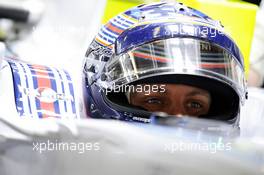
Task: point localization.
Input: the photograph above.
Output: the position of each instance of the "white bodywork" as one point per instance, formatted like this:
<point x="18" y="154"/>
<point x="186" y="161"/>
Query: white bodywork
<point x="115" y="148"/>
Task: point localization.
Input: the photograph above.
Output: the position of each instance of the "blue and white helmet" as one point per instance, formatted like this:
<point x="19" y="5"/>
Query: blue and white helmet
<point x="163" y="43"/>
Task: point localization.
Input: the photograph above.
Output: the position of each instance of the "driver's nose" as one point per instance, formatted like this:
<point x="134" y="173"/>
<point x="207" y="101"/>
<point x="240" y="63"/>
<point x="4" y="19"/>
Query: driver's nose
<point x="176" y="108"/>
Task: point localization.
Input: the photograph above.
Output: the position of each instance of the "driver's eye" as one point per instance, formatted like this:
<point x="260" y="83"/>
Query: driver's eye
<point x="154" y="101"/>
<point x="194" y="105"/>
<point x="195" y="108"/>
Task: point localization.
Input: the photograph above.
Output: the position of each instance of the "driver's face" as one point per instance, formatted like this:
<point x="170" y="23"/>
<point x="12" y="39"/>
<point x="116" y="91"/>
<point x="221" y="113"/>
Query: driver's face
<point x="176" y="99"/>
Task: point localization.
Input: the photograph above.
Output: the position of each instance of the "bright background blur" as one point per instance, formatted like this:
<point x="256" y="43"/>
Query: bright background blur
<point x="63" y="34"/>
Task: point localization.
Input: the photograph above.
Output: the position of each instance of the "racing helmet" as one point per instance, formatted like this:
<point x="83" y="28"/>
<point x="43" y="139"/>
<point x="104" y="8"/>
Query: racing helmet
<point x="162" y="43"/>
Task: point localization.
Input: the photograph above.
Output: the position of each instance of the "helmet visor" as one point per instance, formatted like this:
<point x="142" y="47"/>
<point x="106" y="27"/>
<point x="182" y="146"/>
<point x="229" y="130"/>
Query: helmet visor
<point x="175" y="56"/>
